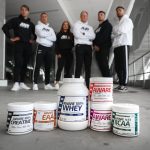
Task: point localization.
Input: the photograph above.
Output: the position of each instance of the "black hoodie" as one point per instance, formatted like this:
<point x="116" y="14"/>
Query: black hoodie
<point x="64" y="42"/>
<point x="21" y="27"/>
<point x="103" y="35"/>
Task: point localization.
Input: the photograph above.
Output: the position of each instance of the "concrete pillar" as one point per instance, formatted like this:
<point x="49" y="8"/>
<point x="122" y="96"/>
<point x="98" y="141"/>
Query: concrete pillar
<point x="3" y="82"/>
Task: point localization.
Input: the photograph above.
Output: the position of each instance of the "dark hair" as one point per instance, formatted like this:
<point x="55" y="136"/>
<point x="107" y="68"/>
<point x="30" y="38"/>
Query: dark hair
<point x="120" y="7"/>
<point x="43" y="13"/>
<point x="101" y="12"/>
<point x="69" y="27"/>
<point x="25" y="6"/>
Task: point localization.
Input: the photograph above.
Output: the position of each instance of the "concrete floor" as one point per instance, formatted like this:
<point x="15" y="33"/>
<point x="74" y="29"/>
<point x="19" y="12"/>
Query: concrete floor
<point x="81" y="140"/>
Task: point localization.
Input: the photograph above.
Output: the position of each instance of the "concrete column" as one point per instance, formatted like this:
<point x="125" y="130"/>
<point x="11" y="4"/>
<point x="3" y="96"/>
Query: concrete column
<point x="3" y="82"/>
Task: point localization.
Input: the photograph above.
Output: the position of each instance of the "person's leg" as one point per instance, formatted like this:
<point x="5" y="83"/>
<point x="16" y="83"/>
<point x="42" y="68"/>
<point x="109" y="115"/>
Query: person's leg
<point x="18" y="58"/>
<point x="118" y="63"/>
<point x="79" y="60"/>
<point x="38" y="63"/>
<point x="87" y="64"/>
<point x="47" y="63"/>
<point x="60" y="67"/>
<point x="27" y="52"/>
<point x="125" y="65"/>
<point x="102" y="61"/>
<point x="68" y="64"/>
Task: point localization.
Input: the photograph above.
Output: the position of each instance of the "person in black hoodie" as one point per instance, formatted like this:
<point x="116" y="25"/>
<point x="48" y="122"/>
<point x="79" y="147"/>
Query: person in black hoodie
<point x="64" y="45"/>
<point x="102" y="44"/>
<point x="24" y="35"/>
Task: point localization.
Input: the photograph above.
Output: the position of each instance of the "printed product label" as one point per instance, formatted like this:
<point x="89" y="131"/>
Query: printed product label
<point x="101" y="120"/>
<point x="125" y="124"/>
<point x="101" y="91"/>
<point x="20" y="122"/>
<point x="44" y="120"/>
<point x="73" y="109"/>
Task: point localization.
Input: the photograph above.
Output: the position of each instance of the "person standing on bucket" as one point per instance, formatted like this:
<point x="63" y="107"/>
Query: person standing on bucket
<point x="84" y="35"/>
<point x="102" y="44"/>
<point x="122" y="36"/>
<point x="24" y="36"/>
<point x="45" y="39"/>
<point x="64" y="45"/>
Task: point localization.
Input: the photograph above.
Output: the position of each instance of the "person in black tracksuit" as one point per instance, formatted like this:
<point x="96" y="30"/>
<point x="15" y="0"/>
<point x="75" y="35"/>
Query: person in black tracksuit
<point x="24" y="34"/>
<point x="64" y="45"/>
<point x="102" y="44"/>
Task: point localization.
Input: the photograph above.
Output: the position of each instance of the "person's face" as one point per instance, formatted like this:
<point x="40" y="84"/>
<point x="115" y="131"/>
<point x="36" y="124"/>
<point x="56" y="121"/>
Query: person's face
<point x="65" y="26"/>
<point x="44" y="18"/>
<point x="84" y="17"/>
<point x="120" y="12"/>
<point x="24" y="12"/>
<point x="101" y="17"/>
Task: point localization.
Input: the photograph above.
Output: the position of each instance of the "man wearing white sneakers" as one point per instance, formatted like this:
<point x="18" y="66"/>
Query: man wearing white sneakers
<point x="83" y="37"/>
<point x="122" y="40"/>
<point x="45" y="39"/>
<point x="23" y="30"/>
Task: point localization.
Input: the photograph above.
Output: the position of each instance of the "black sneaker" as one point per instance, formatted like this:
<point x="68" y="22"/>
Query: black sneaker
<point x="123" y="89"/>
<point x="117" y="88"/>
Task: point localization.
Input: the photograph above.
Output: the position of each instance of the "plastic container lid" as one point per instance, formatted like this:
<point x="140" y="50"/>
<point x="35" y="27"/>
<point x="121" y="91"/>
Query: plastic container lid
<point x="73" y="80"/>
<point x="101" y="106"/>
<point x="101" y="79"/>
<point x="125" y="108"/>
<point x="20" y="106"/>
<point x="43" y="105"/>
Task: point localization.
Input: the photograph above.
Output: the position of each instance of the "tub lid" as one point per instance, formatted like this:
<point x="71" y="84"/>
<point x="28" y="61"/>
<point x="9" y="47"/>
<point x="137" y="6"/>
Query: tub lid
<point x="20" y="106"/>
<point x="73" y="80"/>
<point x="125" y="108"/>
<point x="101" y="105"/>
<point x="101" y="79"/>
<point x="45" y="105"/>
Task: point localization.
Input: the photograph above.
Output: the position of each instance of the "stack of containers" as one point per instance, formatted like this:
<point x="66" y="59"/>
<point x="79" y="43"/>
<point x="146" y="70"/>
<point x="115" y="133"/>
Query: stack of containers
<point x="101" y="101"/>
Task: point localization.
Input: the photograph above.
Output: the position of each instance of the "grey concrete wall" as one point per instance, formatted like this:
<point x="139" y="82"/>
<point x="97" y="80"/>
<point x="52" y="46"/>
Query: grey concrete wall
<point x="2" y="40"/>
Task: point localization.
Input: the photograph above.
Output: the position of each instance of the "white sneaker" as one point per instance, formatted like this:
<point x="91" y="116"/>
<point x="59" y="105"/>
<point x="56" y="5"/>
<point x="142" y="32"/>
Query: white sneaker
<point x="24" y="86"/>
<point x="35" y="87"/>
<point x="57" y="86"/>
<point x="15" y="87"/>
<point x="48" y="87"/>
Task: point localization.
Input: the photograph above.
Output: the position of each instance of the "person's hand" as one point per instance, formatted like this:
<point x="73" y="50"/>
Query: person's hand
<point x="15" y="39"/>
<point x="59" y="56"/>
<point x="31" y="41"/>
<point x="96" y="48"/>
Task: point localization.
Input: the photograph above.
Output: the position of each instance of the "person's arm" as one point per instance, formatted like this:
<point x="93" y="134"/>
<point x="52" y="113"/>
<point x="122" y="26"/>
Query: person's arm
<point x="77" y="32"/>
<point x="33" y="32"/>
<point x="40" y="33"/>
<point x="57" y="50"/>
<point x="8" y="26"/>
<point x="51" y="36"/>
<point x="90" y="34"/>
<point x="125" y="27"/>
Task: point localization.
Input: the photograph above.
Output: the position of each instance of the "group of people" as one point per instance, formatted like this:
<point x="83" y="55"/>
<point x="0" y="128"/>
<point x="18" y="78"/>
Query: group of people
<point x="82" y="36"/>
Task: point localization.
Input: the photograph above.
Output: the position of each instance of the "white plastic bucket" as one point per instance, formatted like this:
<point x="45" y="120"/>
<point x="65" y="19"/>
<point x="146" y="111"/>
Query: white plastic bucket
<point x="101" y="116"/>
<point x="73" y="105"/>
<point x="45" y="116"/>
<point x="20" y="118"/>
<point x="101" y="89"/>
<point x="125" y="119"/>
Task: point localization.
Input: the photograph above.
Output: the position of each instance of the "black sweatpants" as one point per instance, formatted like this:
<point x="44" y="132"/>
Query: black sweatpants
<point x="65" y="61"/>
<point x="121" y="64"/>
<point x="102" y="58"/>
<point x="22" y="55"/>
<point x="83" y="56"/>
<point x="43" y="56"/>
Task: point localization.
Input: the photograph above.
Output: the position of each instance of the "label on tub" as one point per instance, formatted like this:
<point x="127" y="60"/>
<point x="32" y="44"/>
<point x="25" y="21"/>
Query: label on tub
<point x="44" y="120"/>
<point x="100" y="120"/>
<point x="125" y="124"/>
<point x="101" y="92"/>
<point x="73" y="109"/>
<point x="20" y="122"/>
